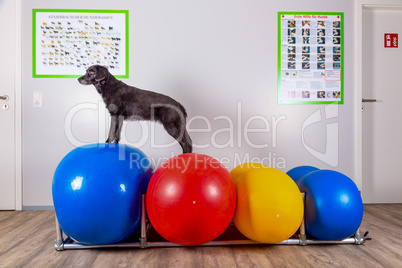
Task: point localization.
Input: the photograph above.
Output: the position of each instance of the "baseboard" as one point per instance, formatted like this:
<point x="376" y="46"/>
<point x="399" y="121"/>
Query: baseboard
<point x="37" y="207"/>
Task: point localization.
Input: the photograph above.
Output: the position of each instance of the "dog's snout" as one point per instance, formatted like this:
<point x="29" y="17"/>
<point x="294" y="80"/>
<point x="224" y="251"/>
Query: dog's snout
<point x="80" y="80"/>
<point x="83" y="81"/>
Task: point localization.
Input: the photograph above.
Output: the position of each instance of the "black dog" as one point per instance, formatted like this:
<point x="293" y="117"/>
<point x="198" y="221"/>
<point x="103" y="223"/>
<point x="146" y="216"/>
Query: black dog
<point x="129" y="103"/>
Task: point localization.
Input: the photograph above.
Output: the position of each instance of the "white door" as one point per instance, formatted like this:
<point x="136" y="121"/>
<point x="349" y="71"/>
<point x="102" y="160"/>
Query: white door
<point x="7" y="106"/>
<point x="382" y="120"/>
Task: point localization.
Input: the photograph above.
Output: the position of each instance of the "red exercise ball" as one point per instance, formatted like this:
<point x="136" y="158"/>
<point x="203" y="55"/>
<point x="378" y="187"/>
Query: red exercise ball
<point x="191" y="199"/>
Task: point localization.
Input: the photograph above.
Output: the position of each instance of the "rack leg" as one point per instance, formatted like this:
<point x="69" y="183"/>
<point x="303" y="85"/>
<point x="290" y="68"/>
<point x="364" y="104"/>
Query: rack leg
<point x="302" y="235"/>
<point x="143" y="238"/>
<point x="359" y="237"/>
<point x="59" y="242"/>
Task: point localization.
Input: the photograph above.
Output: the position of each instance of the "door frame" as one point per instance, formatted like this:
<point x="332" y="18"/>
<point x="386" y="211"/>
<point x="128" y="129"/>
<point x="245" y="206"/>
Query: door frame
<point x="18" y="103"/>
<point x="360" y="5"/>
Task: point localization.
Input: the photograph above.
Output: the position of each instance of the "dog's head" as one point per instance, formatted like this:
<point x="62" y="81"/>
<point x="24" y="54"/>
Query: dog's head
<point x="95" y="75"/>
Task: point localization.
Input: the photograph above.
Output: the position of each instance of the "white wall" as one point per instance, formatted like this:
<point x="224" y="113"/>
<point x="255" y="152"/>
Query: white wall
<point x="213" y="57"/>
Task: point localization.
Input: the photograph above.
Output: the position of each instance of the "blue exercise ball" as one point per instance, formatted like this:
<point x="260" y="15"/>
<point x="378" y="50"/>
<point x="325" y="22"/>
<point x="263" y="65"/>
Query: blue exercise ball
<point x="97" y="192"/>
<point x="298" y="173"/>
<point x="334" y="207"/>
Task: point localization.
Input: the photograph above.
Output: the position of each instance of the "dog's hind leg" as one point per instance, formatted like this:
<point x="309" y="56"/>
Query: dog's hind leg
<point x="181" y="135"/>
<point x="115" y="129"/>
<point x="187" y="143"/>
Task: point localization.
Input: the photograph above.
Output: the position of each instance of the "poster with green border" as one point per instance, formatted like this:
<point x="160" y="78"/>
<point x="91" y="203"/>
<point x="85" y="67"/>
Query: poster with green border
<point x="65" y="42"/>
<point x="310" y="58"/>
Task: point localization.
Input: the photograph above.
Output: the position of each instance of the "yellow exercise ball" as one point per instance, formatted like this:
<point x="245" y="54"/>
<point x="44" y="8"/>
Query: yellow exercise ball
<point x="269" y="206"/>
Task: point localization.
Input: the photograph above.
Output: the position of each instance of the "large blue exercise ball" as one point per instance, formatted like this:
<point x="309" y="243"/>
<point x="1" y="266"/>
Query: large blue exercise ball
<point x="97" y="192"/>
<point x="334" y="207"/>
<point x="298" y="173"/>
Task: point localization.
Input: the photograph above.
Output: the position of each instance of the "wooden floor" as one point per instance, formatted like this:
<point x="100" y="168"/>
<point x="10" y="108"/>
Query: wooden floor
<point x="27" y="240"/>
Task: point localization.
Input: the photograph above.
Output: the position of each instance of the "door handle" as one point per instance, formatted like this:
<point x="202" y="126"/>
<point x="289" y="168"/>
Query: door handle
<point x="369" y="100"/>
<point x="5" y="97"/>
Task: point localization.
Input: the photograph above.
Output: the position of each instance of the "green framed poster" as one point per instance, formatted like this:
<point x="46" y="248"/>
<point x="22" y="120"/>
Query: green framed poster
<point x="65" y="42"/>
<point x="310" y="58"/>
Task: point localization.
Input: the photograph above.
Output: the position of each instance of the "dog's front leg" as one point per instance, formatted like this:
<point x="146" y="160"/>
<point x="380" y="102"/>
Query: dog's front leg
<point x="119" y="125"/>
<point x="112" y="132"/>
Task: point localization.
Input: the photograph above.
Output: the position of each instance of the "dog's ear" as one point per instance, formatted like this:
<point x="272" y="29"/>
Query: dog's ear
<point x="101" y="74"/>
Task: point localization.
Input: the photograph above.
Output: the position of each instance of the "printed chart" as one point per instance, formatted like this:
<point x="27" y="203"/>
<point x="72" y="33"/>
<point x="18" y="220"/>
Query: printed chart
<point x="67" y="42"/>
<point x="310" y="58"/>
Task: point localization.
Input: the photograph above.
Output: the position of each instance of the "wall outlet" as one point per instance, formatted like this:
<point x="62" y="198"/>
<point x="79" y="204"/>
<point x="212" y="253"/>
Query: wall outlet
<point x="37" y="99"/>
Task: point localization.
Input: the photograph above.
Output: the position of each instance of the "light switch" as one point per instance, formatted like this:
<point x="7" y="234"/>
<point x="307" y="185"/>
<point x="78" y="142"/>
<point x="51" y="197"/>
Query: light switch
<point x="37" y="99"/>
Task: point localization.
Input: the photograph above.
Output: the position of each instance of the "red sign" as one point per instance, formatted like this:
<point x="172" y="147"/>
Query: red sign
<point x="390" y="40"/>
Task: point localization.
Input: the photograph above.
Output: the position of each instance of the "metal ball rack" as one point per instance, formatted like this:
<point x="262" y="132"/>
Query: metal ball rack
<point x="68" y="243"/>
